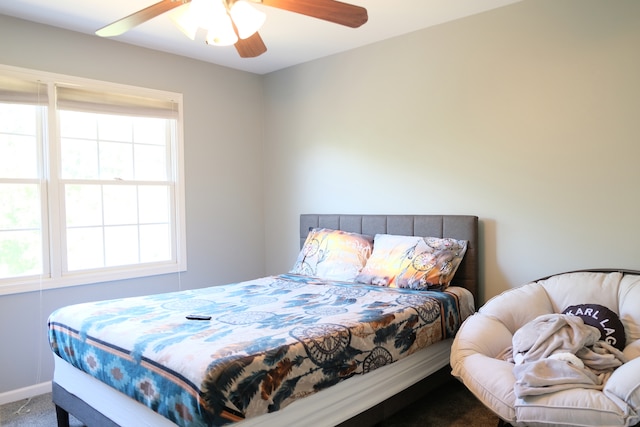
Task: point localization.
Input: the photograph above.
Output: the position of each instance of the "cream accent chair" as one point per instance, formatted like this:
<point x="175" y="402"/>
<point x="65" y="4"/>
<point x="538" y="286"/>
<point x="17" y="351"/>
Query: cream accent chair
<point x="477" y="352"/>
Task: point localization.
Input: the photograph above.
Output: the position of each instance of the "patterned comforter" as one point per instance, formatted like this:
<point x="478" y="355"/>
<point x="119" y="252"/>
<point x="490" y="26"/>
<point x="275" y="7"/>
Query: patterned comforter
<point x="269" y="341"/>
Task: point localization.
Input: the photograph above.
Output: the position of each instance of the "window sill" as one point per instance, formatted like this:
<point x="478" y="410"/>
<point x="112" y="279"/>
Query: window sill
<point x="36" y="283"/>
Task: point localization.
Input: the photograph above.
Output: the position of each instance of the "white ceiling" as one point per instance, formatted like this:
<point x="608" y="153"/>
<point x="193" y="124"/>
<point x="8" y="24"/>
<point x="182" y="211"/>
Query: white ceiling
<point x="290" y="38"/>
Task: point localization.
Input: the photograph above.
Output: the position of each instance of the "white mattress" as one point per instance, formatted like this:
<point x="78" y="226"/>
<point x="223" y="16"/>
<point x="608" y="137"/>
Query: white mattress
<point x="325" y="408"/>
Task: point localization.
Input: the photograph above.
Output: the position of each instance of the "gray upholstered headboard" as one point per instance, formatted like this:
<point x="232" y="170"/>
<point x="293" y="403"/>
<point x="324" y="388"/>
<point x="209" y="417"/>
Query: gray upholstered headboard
<point x="454" y="226"/>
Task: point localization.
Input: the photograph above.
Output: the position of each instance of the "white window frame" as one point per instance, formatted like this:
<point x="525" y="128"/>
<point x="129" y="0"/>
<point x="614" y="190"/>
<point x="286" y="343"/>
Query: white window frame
<point x="53" y="275"/>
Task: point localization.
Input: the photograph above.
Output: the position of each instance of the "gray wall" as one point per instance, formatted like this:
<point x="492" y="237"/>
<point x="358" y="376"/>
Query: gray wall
<point x="223" y="120"/>
<point x="527" y="116"/>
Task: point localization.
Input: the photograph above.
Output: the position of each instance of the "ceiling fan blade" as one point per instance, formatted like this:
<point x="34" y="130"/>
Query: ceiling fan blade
<point x="327" y="10"/>
<point x="125" y="24"/>
<point x="251" y="46"/>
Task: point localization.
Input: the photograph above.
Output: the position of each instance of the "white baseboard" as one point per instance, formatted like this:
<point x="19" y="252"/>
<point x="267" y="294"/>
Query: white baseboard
<point x="25" y="393"/>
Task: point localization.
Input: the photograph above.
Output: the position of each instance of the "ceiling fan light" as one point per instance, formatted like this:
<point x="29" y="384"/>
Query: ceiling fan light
<point x="184" y="18"/>
<point x="247" y="18"/>
<point x="197" y="14"/>
<point x="220" y="31"/>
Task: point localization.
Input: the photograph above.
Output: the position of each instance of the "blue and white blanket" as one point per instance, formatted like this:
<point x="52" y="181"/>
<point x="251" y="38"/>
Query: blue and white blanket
<point x="269" y="341"/>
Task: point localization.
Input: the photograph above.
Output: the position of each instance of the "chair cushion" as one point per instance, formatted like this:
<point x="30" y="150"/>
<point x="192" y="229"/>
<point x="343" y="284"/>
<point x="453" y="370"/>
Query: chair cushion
<point x="624" y="384"/>
<point x="569" y="289"/>
<point x="629" y="295"/>
<point x="577" y="406"/>
<point x="502" y="306"/>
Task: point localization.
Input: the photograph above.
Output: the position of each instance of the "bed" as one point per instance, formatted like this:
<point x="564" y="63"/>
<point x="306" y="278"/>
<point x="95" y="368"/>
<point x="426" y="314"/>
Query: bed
<point x="308" y="378"/>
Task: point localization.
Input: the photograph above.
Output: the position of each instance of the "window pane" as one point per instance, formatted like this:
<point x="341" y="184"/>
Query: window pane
<point x="120" y="204"/>
<point x="116" y="160"/>
<point x="18" y="156"/>
<point x="131" y="217"/>
<point x="18" y="141"/>
<point x="21" y="240"/>
<point x="79" y="159"/>
<point x="121" y="245"/>
<point x="151" y="163"/>
<point x="155" y="243"/>
<point x="18" y="119"/>
<point x="20" y="253"/>
<point x="154" y="204"/>
<point x="150" y="131"/>
<point x="19" y="206"/>
<point x="83" y="205"/>
<point x="115" y="128"/>
<point x="109" y="152"/>
<point x="78" y="125"/>
<point x="84" y="248"/>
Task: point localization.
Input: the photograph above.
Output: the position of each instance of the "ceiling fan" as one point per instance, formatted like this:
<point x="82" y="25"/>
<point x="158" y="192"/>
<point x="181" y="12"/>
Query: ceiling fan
<point x="248" y="46"/>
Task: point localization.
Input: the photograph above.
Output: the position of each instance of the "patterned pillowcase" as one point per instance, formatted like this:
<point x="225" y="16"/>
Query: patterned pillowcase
<point x="413" y="262"/>
<point x="333" y="254"/>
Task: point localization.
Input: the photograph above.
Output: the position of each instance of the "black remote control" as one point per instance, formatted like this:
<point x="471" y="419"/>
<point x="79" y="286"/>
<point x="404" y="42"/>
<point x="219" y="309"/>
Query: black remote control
<point x="198" y="317"/>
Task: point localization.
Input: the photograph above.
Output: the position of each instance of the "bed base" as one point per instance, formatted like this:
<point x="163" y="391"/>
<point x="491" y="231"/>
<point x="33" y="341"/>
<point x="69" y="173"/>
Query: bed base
<point x="396" y="403"/>
<point x="66" y="404"/>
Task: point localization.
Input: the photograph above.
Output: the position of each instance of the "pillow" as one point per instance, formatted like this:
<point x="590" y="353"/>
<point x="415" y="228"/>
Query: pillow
<point x="333" y="254"/>
<point x="412" y="262"/>
<point x="606" y="320"/>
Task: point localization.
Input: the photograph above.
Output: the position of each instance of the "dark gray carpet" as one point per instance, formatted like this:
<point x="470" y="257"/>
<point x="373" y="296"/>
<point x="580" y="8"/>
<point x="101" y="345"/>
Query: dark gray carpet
<point x="452" y="405"/>
<point x="35" y="412"/>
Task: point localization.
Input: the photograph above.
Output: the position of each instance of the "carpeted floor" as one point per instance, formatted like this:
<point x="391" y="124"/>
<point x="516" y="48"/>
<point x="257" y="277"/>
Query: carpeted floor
<point x="35" y="412"/>
<point x="450" y="406"/>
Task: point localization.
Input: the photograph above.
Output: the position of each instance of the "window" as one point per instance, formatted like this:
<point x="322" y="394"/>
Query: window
<point x="90" y="181"/>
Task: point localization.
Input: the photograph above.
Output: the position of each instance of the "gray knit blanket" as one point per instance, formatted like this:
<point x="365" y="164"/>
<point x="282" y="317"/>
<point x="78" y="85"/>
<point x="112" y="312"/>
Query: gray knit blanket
<point x="556" y="352"/>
